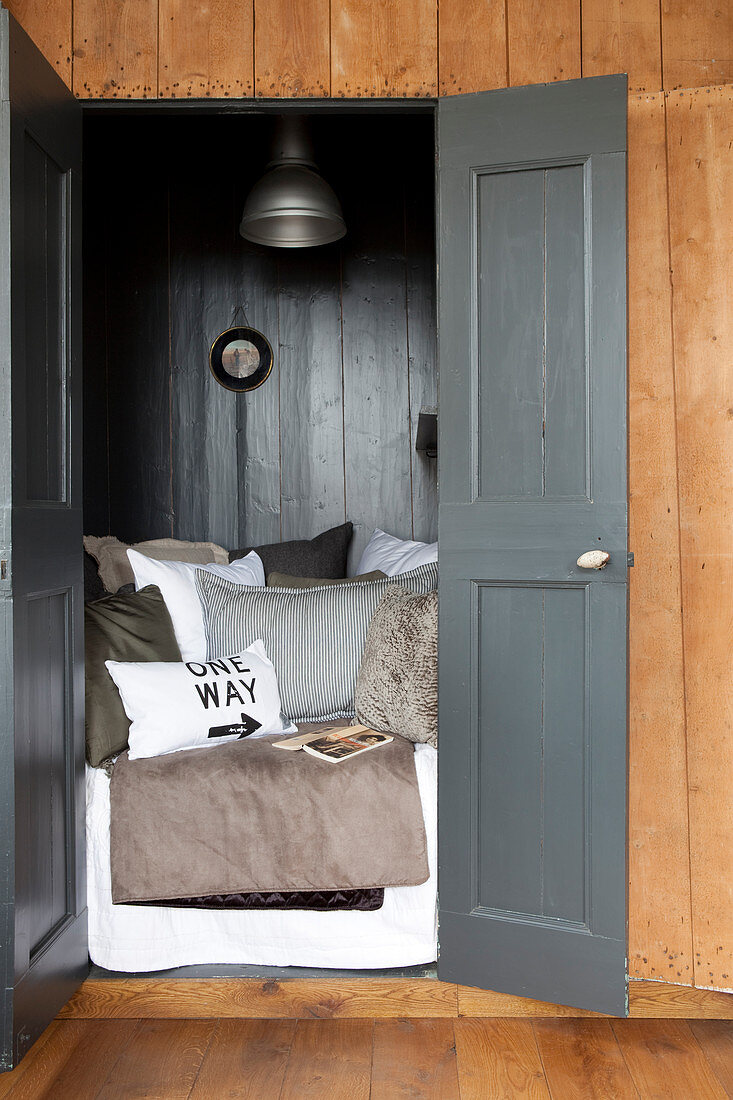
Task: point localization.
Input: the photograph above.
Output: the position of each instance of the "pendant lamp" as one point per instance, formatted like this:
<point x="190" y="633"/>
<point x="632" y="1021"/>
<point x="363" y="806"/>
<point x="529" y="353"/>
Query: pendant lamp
<point x="292" y="206"/>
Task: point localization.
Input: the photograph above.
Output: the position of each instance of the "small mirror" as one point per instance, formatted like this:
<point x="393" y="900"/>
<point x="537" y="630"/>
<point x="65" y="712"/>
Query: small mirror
<point x="241" y="359"/>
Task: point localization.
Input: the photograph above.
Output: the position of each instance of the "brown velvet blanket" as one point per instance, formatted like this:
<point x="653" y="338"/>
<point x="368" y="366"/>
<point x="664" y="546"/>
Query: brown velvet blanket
<point x="246" y="817"/>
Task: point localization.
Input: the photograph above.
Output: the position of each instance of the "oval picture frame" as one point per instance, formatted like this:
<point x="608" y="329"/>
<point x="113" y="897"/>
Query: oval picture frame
<point x="253" y="378"/>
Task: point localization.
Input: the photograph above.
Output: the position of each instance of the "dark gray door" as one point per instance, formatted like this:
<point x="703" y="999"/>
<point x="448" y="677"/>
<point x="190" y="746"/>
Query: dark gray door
<point x="42" y="873"/>
<point x="532" y="451"/>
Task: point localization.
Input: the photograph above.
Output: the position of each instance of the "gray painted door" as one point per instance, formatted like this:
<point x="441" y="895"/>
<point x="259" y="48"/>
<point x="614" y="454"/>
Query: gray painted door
<point x="533" y="706"/>
<point x="42" y="875"/>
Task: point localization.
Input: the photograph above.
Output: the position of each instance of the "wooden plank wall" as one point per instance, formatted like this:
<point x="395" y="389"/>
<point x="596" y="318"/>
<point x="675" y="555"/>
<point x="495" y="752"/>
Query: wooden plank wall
<point x="136" y="48"/>
<point x="681" y="912"/>
<point x="330" y="435"/>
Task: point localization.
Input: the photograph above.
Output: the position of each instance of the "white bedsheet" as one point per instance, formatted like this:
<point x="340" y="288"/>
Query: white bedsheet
<point x="138" y="938"/>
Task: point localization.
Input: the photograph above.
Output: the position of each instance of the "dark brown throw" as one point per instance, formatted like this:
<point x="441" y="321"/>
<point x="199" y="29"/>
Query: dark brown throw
<point x="245" y="817"/>
<point x="316" y="901"/>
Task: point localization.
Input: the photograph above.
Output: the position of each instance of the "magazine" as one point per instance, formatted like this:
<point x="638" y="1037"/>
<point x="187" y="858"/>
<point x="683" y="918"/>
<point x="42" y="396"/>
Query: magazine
<point x="336" y="743"/>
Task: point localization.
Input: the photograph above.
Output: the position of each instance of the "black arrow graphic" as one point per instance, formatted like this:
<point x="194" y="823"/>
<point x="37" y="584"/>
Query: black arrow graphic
<point x="242" y="729"/>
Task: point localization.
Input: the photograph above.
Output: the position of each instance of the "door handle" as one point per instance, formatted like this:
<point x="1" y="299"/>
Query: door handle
<point x="593" y="559"/>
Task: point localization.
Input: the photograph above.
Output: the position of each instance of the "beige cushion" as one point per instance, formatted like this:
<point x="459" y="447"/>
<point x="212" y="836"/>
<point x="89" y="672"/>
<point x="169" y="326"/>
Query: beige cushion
<point x="397" y="686"/>
<point x="114" y="567"/>
<point x="284" y="580"/>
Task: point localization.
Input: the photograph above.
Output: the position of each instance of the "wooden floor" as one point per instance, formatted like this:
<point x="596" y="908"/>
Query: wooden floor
<point x="384" y="1059"/>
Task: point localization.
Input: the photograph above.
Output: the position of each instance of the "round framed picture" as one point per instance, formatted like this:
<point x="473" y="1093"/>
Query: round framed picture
<point x="241" y="359"/>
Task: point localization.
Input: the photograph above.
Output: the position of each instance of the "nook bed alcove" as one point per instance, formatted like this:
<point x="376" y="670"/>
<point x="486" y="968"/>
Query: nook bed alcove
<point x="329" y="436"/>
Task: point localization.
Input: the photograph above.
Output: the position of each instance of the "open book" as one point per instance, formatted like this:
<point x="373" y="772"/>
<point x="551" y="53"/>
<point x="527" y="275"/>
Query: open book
<point x="335" y="743"/>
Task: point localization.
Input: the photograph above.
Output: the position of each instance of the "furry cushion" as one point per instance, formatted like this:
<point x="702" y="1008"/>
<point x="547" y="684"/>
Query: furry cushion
<point x="397" y="686"/>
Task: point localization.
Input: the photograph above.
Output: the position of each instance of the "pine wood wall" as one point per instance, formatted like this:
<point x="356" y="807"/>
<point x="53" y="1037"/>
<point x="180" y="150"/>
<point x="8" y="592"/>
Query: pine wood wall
<point x="679" y="57"/>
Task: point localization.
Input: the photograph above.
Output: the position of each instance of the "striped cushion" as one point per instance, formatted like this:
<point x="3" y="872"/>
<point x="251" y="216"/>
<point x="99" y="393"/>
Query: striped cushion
<point x="314" y="636"/>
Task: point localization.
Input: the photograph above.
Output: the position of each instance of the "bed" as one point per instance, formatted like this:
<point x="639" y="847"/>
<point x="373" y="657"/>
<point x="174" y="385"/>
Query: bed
<point x="134" y="938"/>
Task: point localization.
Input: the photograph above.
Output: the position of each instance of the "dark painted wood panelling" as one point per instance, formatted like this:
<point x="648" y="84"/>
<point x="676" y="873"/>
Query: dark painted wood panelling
<point x="311" y="396"/>
<point x="132" y="220"/>
<point x="259" y="428"/>
<point x="95" y="411"/>
<point x="330" y="435"/>
<point x="377" y="433"/>
<point x="421" y="335"/>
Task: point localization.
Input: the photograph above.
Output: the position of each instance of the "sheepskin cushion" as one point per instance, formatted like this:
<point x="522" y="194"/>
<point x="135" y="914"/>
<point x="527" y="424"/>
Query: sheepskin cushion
<point x="397" y="686"/>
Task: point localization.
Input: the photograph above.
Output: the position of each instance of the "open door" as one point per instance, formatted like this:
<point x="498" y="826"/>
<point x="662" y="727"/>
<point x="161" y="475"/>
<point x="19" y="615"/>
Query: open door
<point x="532" y="452"/>
<point x="43" y="941"/>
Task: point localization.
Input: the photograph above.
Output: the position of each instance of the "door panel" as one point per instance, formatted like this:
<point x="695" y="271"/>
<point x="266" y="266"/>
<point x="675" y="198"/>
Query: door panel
<point x="42" y="742"/>
<point x="532" y="338"/>
<point x="44" y="249"/>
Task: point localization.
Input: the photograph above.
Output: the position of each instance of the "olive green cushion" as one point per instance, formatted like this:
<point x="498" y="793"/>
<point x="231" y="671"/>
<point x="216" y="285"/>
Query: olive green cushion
<point x="130" y="627"/>
<point x="284" y="580"/>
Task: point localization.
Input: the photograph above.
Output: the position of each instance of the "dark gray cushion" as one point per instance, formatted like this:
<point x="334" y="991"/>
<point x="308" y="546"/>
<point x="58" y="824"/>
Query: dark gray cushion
<point x="93" y="587"/>
<point x="323" y="557"/>
<point x="283" y="580"/>
<point x="120" y="628"/>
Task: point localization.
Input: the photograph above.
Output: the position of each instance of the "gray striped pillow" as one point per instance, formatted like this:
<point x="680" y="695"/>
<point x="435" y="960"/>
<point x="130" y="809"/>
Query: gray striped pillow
<point x="313" y="636"/>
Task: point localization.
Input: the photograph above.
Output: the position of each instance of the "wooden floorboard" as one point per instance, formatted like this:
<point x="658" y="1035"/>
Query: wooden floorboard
<point x="357" y="998"/>
<point x="162" y="1058"/>
<point x="246" y="1059"/>
<point x="82" y="1076"/>
<point x="665" y="1060"/>
<point x="414" y="1058"/>
<point x="329" y="1059"/>
<point x="567" y="1045"/>
<point x="379" y="1059"/>
<point x="715" y="1038"/>
<point x="45" y="1060"/>
<point x="499" y="1058"/>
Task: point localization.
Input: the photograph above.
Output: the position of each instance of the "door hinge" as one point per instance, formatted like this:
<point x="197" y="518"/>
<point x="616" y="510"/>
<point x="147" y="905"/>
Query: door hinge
<point x="630" y="560"/>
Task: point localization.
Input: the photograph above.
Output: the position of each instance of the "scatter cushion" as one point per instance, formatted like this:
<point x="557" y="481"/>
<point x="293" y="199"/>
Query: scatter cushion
<point x="397" y="686"/>
<point x="282" y="580"/>
<point x="187" y="705"/>
<point x="114" y="567"/>
<point x="323" y="556"/>
<point x="176" y="581"/>
<point x="120" y="628"/>
<point x="314" y="636"/>
<point x="393" y="555"/>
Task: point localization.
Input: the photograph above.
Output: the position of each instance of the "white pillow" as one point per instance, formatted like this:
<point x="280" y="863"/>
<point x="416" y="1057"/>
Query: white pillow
<point x="176" y="581"/>
<point x="174" y="706"/>
<point x="393" y="555"/>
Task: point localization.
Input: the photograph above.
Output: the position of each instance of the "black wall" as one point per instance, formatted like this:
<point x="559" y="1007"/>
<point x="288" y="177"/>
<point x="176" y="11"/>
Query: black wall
<point x="331" y="434"/>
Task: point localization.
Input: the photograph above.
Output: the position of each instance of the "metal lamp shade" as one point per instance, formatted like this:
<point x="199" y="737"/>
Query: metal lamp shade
<point x="291" y="206"/>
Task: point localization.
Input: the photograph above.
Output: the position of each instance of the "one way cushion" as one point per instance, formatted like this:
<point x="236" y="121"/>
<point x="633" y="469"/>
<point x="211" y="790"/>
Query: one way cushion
<point x="185" y="705"/>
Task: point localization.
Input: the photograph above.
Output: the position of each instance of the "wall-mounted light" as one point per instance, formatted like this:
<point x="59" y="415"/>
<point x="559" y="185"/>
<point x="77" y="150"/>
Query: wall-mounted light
<point x="291" y="205"/>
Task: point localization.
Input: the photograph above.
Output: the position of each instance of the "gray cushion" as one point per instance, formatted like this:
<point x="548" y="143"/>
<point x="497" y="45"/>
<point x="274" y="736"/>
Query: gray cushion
<point x="114" y="567"/>
<point x="282" y="580"/>
<point x="313" y="636"/>
<point x="397" y="686"/>
<point x="120" y="628"/>
<point x="324" y="556"/>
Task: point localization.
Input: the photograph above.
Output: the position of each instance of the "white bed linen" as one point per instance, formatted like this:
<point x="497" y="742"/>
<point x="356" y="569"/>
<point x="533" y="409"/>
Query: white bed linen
<point x="142" y="937"/>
